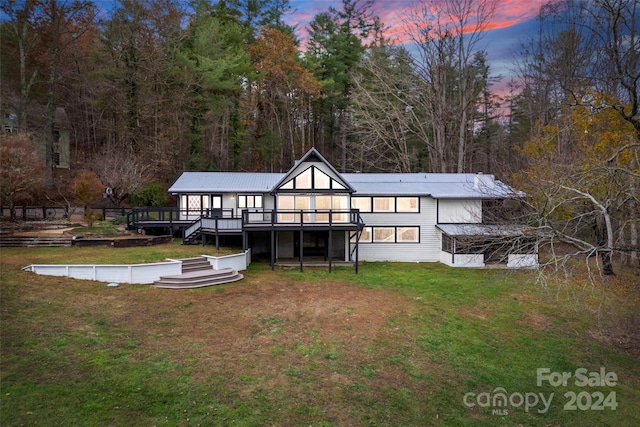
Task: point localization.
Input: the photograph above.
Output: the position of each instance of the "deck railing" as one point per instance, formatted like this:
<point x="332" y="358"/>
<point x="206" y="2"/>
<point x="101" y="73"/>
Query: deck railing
<point x="301" y="217"/>
<point x="169" y="216"/>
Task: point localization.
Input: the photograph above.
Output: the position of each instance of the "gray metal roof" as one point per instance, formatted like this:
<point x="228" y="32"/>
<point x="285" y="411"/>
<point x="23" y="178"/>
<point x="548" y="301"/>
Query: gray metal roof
<point x="225" y="182"/>
<point x="437" y="185"/>
<point x="483" y="229"/>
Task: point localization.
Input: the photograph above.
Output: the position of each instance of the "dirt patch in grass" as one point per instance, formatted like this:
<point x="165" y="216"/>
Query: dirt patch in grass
<point x="251" y="317"/>
<point x="295" y="340"/>
<point x="536" y="321"/>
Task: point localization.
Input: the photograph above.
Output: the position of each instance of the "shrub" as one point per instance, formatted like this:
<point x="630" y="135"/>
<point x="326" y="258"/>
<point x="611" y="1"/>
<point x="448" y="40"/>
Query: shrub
<point x="151" y="194"/>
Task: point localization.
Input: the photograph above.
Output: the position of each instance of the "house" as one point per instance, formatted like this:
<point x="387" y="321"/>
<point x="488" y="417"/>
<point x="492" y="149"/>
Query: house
<point x="314" y="211"/>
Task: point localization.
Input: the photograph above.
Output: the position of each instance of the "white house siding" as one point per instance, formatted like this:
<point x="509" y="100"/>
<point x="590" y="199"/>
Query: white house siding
<point x="446" y="258"/>
<point x="268" y="201"/>
<point x="523" y="261"/>
<point x="229" y="201"/>
<point x="459" y="211"/>
<point x="428" y="250"/>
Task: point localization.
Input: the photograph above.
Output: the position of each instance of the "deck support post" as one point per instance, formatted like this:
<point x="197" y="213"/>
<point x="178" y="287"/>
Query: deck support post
<point x="217" y="241"/>
<point x="204" y="239"/>
<point x="300" y="255"/>
<point x="330" y="244"/>
<point x="357" y="249"/>
<point x="273" y="249"/>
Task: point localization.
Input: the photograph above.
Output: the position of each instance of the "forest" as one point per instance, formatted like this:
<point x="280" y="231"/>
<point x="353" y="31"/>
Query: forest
<point x="130" y="97"/>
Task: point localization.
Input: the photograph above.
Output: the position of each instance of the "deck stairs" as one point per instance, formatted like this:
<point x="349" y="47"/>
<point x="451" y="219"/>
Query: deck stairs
<point x="211" y="226"/>
<point x="197" y="273"/>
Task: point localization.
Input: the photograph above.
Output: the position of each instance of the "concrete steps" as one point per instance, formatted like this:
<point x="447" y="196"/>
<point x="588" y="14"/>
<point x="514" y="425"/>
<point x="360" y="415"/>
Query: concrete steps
<point x="198" y="273"/>
<point x="35" y="241"/>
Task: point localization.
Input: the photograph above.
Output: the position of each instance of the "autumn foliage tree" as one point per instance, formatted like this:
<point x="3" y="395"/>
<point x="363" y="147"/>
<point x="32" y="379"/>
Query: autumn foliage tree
<point x="87" y="188"/>
<point x="587" y="197"/>
<point x="281" y="99"/>
<point x="21" y="170"/>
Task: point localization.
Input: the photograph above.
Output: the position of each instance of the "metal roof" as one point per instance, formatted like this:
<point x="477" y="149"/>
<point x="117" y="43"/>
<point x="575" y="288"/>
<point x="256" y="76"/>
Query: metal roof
<point x="437" y="185"/>
<point x="225" y="182"/>
<point x="505" y="230"/>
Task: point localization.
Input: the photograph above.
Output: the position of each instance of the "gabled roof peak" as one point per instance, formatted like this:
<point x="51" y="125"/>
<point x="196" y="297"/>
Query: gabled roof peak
<point x="312" y="156"/>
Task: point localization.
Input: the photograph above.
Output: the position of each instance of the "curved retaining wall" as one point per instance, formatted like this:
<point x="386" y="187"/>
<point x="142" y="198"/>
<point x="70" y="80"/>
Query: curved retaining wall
<point x="135" y="273"/>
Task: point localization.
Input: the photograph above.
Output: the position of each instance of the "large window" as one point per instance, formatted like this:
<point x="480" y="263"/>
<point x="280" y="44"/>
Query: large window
<point x="285" y="203"/>
<point x="249" y="201"/>
<point x="386" y="204"/>
<point x="361" y="203"/>
<point x="316" y="207"/>
<point x="407" y="204"/>
<point x="365" y="236"/>
<point x="312" y="178"/>
<point x="303" y="203"/>
<point x="389" y="235"/>
<point x="384" y="234"/>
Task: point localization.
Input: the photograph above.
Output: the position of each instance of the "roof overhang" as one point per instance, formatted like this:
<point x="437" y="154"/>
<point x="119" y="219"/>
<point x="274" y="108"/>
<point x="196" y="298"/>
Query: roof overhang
<point x="485" y="230"/>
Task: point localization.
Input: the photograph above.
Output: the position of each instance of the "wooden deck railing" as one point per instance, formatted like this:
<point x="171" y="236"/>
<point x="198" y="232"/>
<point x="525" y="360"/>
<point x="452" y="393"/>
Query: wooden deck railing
<point x="301" y="217"/>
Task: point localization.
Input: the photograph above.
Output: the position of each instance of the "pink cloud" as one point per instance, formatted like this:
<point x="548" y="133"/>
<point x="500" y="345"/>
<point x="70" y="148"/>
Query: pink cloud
<point x="392" y="14"/>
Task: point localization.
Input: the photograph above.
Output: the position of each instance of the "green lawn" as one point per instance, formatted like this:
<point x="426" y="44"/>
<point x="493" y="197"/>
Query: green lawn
<point x="397" y="344"/>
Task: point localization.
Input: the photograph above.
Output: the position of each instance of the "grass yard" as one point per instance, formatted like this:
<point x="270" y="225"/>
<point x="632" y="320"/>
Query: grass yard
<point x="396" y="345"/>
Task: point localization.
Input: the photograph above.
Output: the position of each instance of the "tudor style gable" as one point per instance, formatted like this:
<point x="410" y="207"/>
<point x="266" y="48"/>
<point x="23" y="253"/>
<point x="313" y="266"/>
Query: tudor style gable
<point x="312" y="173"/>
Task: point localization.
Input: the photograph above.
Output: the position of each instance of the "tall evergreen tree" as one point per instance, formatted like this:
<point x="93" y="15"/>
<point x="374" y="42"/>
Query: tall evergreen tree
<point x="338" y="39"/>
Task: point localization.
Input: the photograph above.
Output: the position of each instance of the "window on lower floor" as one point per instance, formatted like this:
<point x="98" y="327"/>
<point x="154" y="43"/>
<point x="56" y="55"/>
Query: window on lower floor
<point x="447" y="243"/>
<point x="408" y="234"/>
<point x="389" y="235"/>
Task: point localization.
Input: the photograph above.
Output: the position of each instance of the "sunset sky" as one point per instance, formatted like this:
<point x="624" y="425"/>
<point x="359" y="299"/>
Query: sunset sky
<point x="514" y="19"/>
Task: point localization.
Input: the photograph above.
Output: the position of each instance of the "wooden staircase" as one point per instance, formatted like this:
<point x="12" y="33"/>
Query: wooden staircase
<point x="197" y="273"/>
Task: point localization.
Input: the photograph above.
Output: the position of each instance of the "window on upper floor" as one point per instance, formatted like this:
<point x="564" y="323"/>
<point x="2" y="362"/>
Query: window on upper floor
<point x="312" y="178"/>
<point x="386" y="204"/>
<point x="407" y="204"/>
<point x="249" y="201"/>
<point x="361" y="203"/>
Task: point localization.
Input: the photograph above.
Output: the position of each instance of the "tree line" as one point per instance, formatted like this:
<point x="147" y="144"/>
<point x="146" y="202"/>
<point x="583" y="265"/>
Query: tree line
<point x="150" y="89"/>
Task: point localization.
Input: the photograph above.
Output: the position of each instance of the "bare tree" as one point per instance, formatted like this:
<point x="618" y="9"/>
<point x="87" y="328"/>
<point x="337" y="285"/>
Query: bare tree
<point x="121" y="173"/>
<point x="582" y="70"/>
<point x="388" y="115"/>
<point x="446" y="37"/>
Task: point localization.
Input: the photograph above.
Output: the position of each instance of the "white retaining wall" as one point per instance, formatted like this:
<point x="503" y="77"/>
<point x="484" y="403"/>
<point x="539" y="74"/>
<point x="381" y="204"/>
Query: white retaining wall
<point x="238" y="262"/>
<point x="135" y="273"/>
<point x="119" y="273"/>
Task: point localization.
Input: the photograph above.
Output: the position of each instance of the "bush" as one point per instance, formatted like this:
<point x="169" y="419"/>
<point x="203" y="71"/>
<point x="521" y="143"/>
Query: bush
<point x="151" y="194"/>
<point x="92" y="216"/>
